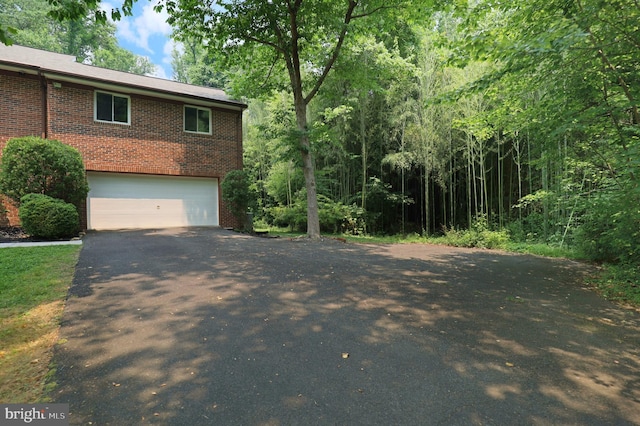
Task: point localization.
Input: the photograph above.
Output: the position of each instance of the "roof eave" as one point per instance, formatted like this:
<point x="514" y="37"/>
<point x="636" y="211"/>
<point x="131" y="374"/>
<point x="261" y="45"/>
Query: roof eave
<point x="122" y="87"/>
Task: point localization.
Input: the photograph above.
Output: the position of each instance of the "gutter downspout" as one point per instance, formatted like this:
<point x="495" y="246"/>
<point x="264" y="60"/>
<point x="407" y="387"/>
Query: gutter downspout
<point x="45" y="106"/>
<point x="239" y="138"/>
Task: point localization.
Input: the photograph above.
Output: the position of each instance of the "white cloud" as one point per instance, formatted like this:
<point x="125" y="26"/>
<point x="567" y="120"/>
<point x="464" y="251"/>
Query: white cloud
<point x="146" y="34"/>
<point x="178" y="46"/>
<point x="168" y="47"/>
<point x="167" y="58"/>
<point x="148" y="23"/>
<point x="160" y="72"/>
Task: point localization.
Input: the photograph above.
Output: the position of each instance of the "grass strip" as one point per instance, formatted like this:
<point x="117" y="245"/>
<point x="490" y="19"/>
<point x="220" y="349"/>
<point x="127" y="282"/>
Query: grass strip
<point x="33" y="285"/>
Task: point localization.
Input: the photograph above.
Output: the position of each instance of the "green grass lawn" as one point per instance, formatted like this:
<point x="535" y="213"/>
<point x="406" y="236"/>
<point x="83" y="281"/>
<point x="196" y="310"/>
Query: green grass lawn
<point x="33" y="285"/>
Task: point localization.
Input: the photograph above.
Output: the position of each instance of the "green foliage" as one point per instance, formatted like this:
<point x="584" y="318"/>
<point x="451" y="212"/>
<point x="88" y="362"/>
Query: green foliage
<point x="610" y="231"/>
<point x="31" y="165"/>
<point x="277" y="46"/>
<point x="353" y="220"/>
<point x="195" y="66"/>
<point x="293" y="216"/>
<point x="543" y="249"/>
<point x="46" y="217"/>
<point x="334" y="217"/>
<point x="620" y="282"/>
<point x="236" y="192"/>
<point x="5" y="37"/>
<point x="117" y="58"/>
<point x="479" y="236"/>
<point x="74" y="10"/>
<point x="284" y="180"/>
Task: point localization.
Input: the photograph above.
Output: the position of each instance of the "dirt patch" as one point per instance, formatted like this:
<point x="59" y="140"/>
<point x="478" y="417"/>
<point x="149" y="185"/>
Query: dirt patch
<point x="15" y="234"/>
<point x="28" y="342"/>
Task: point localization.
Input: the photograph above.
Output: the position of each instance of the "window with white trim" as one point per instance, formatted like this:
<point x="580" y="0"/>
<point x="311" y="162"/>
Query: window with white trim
<point x="112" y="108"/>
<point x="197" y="120"/>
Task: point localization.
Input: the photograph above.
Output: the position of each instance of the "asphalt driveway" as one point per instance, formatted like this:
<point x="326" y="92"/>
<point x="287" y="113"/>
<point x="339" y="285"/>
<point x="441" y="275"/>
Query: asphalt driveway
<point x="210" y="327"/>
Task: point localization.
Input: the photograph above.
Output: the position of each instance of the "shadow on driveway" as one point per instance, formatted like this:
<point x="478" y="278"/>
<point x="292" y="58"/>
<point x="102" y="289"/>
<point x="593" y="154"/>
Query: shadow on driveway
<point x="206" y="326"/>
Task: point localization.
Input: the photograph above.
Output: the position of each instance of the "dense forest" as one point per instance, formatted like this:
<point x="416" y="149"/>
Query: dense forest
<point x="419" y="117"/>
<point x="519" y="116"/>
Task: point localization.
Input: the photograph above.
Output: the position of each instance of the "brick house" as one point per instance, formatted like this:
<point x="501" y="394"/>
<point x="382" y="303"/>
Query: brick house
<point x="154" y="150"/>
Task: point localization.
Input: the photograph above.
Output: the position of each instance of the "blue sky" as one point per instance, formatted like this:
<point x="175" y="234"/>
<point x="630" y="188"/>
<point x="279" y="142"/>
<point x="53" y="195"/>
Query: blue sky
<point x="146" y="33"/>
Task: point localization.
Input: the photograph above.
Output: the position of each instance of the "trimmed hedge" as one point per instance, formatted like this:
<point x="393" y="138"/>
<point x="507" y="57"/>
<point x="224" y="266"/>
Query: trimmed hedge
<point x="32" y="165"/>
<point x="46" y="217"/>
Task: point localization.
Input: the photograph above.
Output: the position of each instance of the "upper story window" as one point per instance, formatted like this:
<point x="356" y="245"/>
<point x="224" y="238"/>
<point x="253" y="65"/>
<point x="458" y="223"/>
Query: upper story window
<point x="197" y="120"/>
<point x="112" y="108"/>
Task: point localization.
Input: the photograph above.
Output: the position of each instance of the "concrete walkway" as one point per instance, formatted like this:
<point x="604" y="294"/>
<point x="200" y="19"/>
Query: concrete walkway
<point x="41" y="243"/>
<point x="209" y="327"/>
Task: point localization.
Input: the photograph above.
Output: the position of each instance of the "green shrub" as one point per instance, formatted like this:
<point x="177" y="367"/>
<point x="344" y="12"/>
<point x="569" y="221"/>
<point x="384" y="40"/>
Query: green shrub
<point x="46" y="217"/>
<point x="479" y="236"/>
<point x="236" y="192"/>
<point x="334" y="217"/>
<point x="294" y="217"/>
<point x="610" y="230"/>
<point x="32" y="165"/>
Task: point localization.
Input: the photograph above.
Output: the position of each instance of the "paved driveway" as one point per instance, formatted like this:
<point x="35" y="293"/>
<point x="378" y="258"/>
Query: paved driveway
<point x="210" y="327"/>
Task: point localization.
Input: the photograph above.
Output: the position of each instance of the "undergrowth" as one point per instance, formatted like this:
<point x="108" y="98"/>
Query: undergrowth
<point x="620" y="283"/>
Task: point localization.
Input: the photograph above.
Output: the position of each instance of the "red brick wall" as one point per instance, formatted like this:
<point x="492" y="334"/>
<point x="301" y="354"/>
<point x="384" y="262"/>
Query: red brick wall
<point x="154" y="142"/>
<point x="20" y="115"/>
<point x="20" y="107"/>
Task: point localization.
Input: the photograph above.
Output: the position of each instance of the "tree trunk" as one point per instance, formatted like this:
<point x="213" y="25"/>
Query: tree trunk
<point x="313" y="219"/>
<point x="519" y="166"/>
<point x="470" y="181"/>
<point x="363" y="152"/>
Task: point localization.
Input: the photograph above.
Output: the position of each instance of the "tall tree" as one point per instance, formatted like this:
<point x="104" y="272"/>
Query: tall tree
<point x="301" y="39"/>
<point x="192" y="65"/>
<point x="581" y="58"/>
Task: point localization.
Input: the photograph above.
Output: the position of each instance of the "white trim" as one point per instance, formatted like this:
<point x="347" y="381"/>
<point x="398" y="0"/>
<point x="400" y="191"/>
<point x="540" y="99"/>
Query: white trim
<point x="197" y="108"/>
<point x="120" y="95"/>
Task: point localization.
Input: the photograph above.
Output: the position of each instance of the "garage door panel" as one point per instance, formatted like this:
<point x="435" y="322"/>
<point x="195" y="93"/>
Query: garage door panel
<point x="122" y="201"/>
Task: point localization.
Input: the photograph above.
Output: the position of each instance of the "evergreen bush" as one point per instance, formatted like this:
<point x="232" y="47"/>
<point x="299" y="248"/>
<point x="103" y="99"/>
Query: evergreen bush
<point x="32" y="165"/>
<point x="46" y="217"/>
<point x="236" y="192"/>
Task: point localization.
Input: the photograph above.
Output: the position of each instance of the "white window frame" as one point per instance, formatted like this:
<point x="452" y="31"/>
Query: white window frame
<point x="197" y="108"/>
<point x="120" y="95"/>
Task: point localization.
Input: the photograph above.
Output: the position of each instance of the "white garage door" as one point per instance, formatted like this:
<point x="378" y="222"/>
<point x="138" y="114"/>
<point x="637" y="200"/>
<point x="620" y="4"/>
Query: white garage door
<point x="126" y="201"/>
